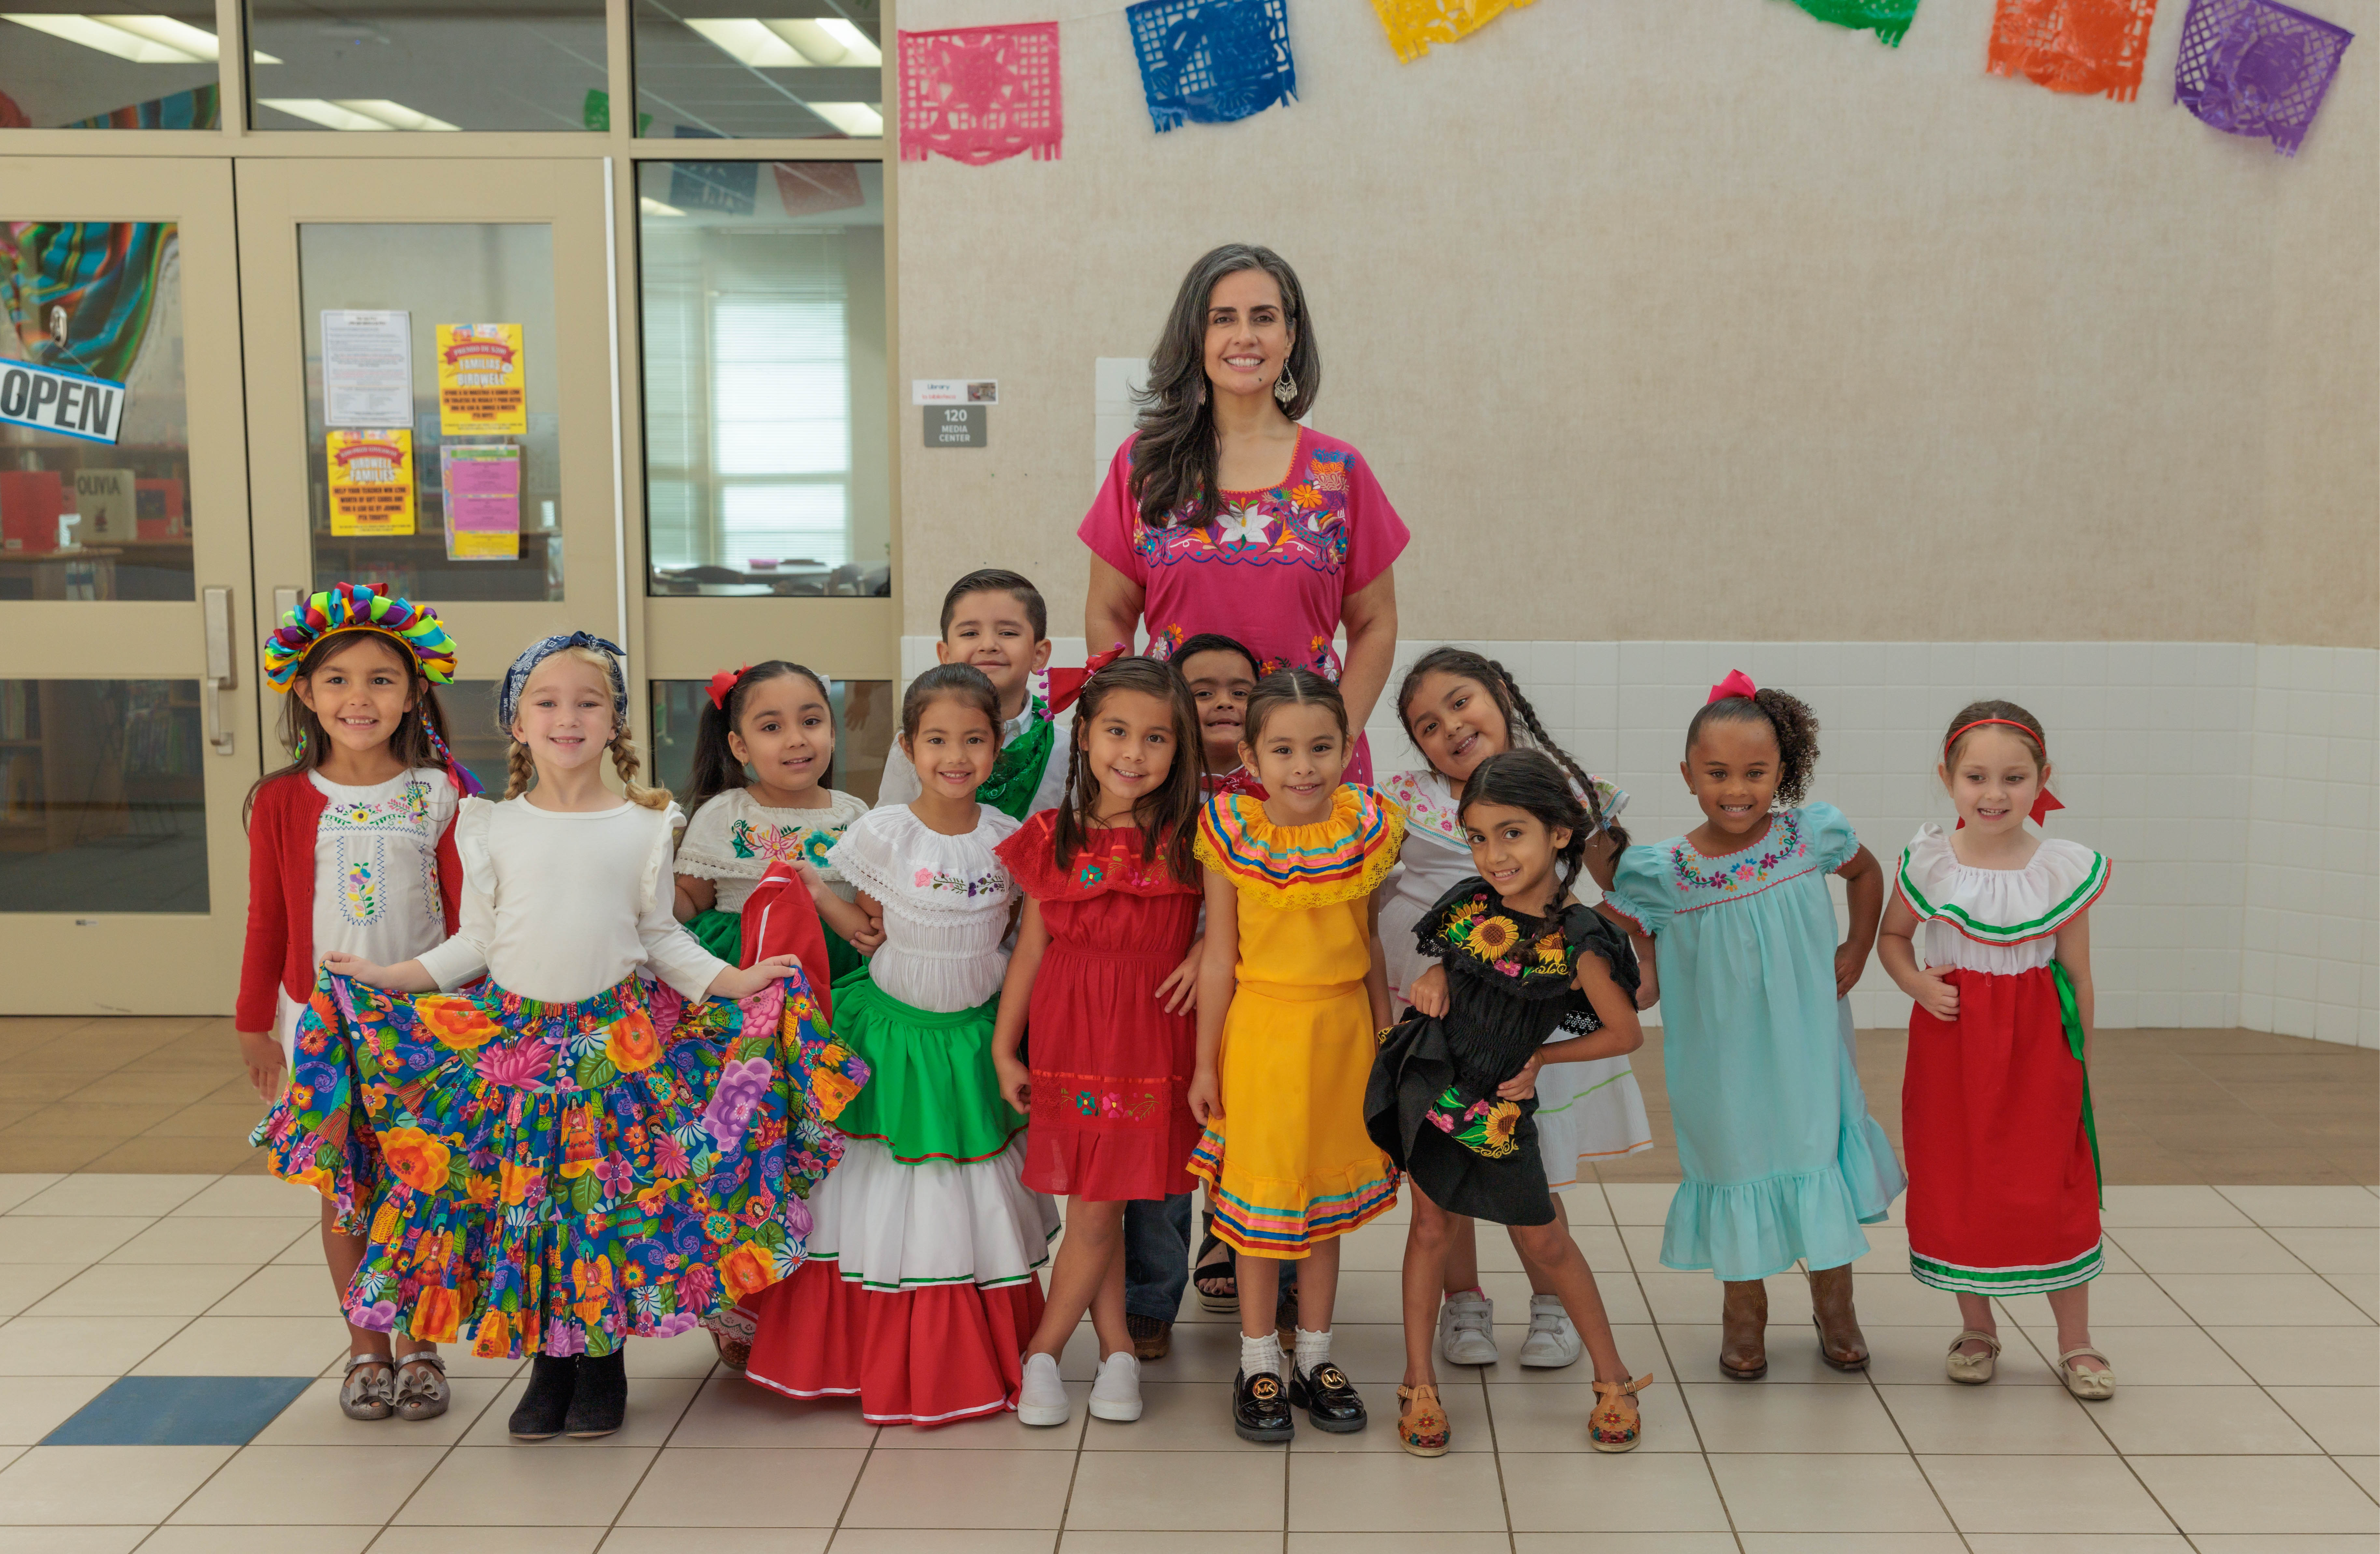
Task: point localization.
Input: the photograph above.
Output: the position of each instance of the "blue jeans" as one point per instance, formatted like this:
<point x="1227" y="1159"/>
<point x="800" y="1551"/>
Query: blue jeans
<point x="1156" y="1255"/>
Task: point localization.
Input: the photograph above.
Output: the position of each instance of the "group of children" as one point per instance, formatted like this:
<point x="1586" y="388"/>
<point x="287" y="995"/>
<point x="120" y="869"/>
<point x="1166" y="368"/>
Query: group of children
<point x="812" y="1074"/>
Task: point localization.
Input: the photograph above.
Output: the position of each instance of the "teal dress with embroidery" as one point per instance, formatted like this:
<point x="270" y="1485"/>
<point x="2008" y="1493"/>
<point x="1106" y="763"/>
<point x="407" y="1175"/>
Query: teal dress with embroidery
<point x="1781" y="1161"/>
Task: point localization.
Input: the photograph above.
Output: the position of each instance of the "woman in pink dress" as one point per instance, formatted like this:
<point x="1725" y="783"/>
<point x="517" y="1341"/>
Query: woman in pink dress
<point x="1298" y="540"/>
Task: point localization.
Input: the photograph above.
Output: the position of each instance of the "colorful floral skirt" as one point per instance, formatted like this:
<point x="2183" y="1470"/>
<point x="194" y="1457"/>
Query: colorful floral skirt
<point x="557" y="1177"/>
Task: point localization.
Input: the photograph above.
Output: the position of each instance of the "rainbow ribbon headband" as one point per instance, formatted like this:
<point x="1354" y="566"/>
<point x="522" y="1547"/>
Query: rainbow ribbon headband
<point x="357" y="607"/>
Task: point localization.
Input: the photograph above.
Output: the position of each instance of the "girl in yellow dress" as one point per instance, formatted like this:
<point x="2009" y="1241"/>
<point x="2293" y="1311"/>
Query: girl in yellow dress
<point x="1292" y="989"/>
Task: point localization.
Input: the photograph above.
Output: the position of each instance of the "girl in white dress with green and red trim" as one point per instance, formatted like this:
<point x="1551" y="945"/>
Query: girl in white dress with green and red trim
<point x="1996" y="1108"/>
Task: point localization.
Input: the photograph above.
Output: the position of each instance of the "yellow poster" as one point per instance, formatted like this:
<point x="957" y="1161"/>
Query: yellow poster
<point x="482" y="382"/>
<point x="371" y="482"/>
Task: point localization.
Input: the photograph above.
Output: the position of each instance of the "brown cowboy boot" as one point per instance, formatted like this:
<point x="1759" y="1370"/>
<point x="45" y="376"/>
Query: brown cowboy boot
<point x="1840" y="1343"/>
<point x="1743" y="1334"/>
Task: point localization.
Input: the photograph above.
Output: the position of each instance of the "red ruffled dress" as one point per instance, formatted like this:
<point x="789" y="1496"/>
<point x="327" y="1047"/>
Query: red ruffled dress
<point x="1112" y="1069"/>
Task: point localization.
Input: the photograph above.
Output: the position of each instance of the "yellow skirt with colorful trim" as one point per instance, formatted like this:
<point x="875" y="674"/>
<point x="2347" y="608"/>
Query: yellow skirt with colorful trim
<point x="1290" y="1164"/>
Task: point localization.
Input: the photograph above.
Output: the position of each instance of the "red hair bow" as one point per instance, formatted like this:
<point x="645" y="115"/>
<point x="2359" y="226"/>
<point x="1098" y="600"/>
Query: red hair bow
<point x="1066" y="685"/>
<point x="723" y="682"/>
<point x="1736" y="683"/>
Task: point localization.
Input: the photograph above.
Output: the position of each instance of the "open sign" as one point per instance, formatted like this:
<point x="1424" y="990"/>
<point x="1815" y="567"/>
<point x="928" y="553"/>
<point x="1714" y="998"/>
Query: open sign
<point x="49" y="399"/>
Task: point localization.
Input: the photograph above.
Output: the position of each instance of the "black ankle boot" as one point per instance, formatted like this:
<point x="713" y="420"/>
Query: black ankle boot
<point x="601" y="1400"/>
<point x="551" y="1381"/>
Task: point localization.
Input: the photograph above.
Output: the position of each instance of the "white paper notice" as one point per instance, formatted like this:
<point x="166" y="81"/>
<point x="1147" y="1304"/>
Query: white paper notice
<point x="367" y="368"/>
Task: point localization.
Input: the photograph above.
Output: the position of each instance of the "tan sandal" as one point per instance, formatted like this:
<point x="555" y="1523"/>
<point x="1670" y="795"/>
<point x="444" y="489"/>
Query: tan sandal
<point x="2091" y="1386"/>
<point x="1973" y="1370"/>
<point x="1422" y="1429"/>
<point x="1616" y="1424"/>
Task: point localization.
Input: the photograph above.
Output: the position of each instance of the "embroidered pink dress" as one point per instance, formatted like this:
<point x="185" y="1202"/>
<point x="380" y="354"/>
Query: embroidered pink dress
<point x="1273" y="571"/>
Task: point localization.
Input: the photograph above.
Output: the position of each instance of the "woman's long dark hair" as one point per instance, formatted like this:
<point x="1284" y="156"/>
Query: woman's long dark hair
<point x="1529" y="780"/>
<point x="308" y="745"/>
<point x="1166" y="816"/>
<point x="1174" y="456"/>
<point x="716" y="770"/>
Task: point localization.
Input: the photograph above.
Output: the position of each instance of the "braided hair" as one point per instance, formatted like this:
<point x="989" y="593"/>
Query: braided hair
<point x="1520" y="719"/>
<point x="1788" y="717"/>
<point x="1532" y="781"/>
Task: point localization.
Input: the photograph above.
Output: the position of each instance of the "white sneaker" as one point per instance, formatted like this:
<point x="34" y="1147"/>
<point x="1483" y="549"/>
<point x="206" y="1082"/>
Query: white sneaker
<point x="1552" y="1342"/>
<point x="1467" y="1329"/>
<point x="1116" y="1394"/>
<point x="1043" y="1400"/>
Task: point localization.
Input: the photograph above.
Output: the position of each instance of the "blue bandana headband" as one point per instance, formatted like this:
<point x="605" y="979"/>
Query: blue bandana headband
<point x="508" y="695"/>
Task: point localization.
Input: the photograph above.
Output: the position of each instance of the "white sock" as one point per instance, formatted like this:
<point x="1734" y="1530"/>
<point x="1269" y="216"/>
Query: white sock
<point x="1313" y="1350"/>
<point x="1260" y="1354"/>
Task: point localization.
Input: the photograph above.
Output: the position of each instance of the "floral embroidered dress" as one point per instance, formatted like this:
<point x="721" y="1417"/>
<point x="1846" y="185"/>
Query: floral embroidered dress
<point x="555" y="1175"/>
<point x="1112" y="1069"/>
<point x="1585" y="1112"/>
<point x="1432" y="1102"/>
<point x="734" y="838"/>
<point x="1994" y="1105"/>
<point x="1780" y="1157"/>
<point x="922" y="1288"/>
<point x="376" y="886"/>
<point x="1290" y="1164"/>
<point x="1273" y="571"/>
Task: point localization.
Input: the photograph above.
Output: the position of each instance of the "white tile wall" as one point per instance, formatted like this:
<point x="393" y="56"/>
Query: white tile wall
<point x="2233" y="785"/>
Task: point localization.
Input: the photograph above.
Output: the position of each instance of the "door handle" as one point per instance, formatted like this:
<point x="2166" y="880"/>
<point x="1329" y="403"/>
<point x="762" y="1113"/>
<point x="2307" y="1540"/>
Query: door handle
<point x="221" y="674"/>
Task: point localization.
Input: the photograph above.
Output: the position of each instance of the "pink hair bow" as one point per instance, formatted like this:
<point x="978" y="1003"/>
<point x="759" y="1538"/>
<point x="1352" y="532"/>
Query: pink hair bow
<point x="1736" y="683"/>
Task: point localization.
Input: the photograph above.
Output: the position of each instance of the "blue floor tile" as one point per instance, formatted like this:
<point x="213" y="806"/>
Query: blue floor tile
<point x="180" y="1411"/>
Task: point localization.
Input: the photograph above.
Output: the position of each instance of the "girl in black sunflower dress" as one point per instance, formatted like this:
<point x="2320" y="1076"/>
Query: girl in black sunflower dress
<point x="1526" y="977"/>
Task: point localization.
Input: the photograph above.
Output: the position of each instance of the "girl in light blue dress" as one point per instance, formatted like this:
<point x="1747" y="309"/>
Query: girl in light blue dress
<point x="1782" y="1163"/>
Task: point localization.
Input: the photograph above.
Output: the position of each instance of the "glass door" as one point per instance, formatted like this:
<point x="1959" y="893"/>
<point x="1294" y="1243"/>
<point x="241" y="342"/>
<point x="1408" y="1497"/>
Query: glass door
<point x="430" y="357"/>
<point x="128" y="733"/>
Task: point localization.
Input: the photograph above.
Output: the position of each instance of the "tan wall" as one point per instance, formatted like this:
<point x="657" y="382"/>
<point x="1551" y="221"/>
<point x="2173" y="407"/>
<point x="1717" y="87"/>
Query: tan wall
<point x="1720" y="321"/>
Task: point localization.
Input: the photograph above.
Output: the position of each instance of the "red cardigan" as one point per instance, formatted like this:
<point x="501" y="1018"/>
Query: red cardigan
<point x="280" y="953"/>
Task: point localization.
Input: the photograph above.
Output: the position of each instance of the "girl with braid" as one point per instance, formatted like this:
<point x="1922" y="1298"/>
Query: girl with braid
<point x="1459" y="708"/>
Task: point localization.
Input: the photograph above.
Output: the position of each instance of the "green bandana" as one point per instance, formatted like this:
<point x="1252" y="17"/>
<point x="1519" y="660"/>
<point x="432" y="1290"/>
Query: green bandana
<point x="1016" y="776"/>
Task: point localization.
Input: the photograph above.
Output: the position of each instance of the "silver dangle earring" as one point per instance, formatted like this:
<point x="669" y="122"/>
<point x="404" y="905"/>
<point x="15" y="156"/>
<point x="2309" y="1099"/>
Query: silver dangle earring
<point x="1284" y="388"/>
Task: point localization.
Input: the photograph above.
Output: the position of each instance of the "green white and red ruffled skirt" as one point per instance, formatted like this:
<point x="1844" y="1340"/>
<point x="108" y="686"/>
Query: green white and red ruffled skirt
<point x="553" y="1178"/>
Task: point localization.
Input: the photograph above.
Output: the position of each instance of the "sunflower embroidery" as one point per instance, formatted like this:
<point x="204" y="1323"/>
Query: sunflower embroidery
<point x="1492" y="938"/>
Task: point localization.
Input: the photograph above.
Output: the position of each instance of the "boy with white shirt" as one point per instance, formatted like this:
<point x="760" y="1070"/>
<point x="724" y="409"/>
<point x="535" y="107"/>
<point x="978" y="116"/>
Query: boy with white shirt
<point x="997" y="622"/>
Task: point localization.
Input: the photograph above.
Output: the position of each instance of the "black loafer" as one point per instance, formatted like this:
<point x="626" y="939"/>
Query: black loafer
<point x="1330" y="1400"/>
<point x="1259" y="1410"/>
<point x="552" y="1383"/>
<point x="600" y="1401"/>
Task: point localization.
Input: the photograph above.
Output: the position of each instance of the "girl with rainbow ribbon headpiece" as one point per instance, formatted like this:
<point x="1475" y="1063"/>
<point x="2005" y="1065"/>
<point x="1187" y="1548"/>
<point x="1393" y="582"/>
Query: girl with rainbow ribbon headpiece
<point x="614" y="1132"/>
<point x="352" y="850"/>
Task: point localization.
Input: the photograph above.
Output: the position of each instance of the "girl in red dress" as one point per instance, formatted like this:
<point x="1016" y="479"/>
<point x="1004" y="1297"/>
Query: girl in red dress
<point x="1105" y="967"/>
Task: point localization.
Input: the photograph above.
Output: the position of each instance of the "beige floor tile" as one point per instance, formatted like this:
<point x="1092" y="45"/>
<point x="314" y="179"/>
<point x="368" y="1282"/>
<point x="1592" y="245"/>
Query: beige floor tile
<point x="1851" y="1542"/>
<point x="252" y="1197"/>
<point x="690" y="1356"/>
<point x="2281" y="1357"/>
<point x="23" y="1284"/>
<point x="18" y="1186"/>
<point x="510" y="1540"/>
<point x="314" y="1419"/>
<point x="57" y="1239"/>
<point x="1397" y="1543"/>
<point x="510" y="1487"/>
<point x="1641" y="1493"/>
<point x="1655" y="1543"/>
<point x="78" y="1345"/>
<point x="1639" y="1203"/>
<point x="358" y="1485"/>
<point x="220" y="1238"/>
<point x="1690" y="1297"/>
<point x="2259" y="1300"/>
<point x="1195" y="1416"/>
<point x="279" y="1289"/>
<point x="1202" y="1352"/>
<point x="1553" y="1418"/>
<point x="1367" y="1352"/>
<point x="655" y="1406"/>
<point x="1777" y="1493"/>
<point x="744" y="1486"/>
<point x="32" y="1406"/>
<point x="2156" y="1356"/>
<point x="2261" y="1495"/>
<point x="1089" y="1542"/>
<point x="1770" y="1416"/>
<point x="1639" y="1342"/>
<point x="111" y="1194"/>
<point x="84" y="1486"/>
<point x="730" y="1411"/>
<point x="2079" y="1543"/>
<point x="2120" y="1300"/>
<point x="2281" y="1543"/>
<point x="141" y="1290"/>
<point x="2131" y="1206"/>
<point x="1994" y="1420"/>
<point x="2333" y="1248"/>
<point x="2364" y="1471"/>
<point x="1889" y="1300"/>
<point x="2043" y="1494"/>
<point x="2306" y="1206"/>
<point x="1372" y="1295"/>
<point x="1693" y="1354"/>
<point x="759" y="1540"/>
<point x="260" y="1540"/>
<point x="2199" y="1421"/>
<point x="1373" y="1494"/>
<point x="247" y="1346"/>
<point x="2345" y="1421"/>
<point x="1376" y="1248"/>
<point x="960" y="1488"/>
<point x="1123" y="1492"/>
<point x="2209" y="1250"/>
<point x="2364" y="1289"/>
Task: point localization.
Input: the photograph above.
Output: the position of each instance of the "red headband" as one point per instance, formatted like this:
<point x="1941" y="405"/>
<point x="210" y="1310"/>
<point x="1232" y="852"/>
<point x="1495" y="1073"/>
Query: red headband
<point x="723" y="683"/>
<point x="2043" y="802"/>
